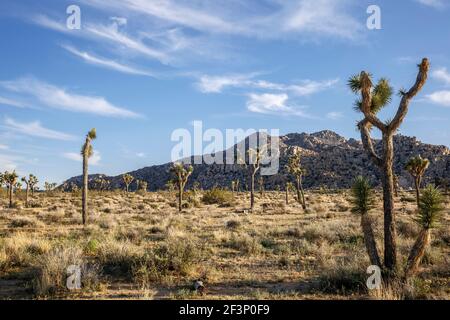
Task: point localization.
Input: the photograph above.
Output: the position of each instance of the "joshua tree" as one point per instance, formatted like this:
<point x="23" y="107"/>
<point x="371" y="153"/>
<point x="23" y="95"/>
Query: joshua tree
<point x="127" y="179"/>
<point x="86" y="153"/>
<point x="182" y="173"/>
<point x="416" y="166"/>
<point x="33" y="181"/>
<point x="10" y="179"/>
<point x="373" y="99"/>
<point x="254" y="163"/>
<point x="29" y="184"/>
<point x="143" y="185"/>
<point x="362" y="203"/>
<point x="287" y="189"/>
<point x="49" y="186"/>
<point x="295" y="168"/>
<point x="233" y="186"/>
<point x="261" y="185"/>
<point x="430" y="208"/>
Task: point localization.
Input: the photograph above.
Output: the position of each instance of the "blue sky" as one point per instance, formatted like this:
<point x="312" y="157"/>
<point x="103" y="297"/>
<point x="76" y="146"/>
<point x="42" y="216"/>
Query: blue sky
<point x="139" y="69"/>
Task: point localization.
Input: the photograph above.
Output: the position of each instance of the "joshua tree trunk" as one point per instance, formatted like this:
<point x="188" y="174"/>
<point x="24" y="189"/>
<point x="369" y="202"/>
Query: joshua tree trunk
<point x="180" y="196"/>
<point x="390" y="235"/>
<point x="417" y="252"/>
<point x="10" y="191"/>
<point x="252" y="191"/>
<point x="84" y="194"/>
<point x="369" y="240"/>
<point x="303" y="195"/>
<point x="26" y="195"/>
<point x="417" y="186"/>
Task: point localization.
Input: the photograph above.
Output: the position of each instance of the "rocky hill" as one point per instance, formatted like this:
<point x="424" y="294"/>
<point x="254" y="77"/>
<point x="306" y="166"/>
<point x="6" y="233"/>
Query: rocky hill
<point x="330" y="160"/>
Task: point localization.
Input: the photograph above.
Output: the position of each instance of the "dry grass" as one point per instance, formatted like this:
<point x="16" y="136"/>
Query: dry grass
<point x="138" y="246"/>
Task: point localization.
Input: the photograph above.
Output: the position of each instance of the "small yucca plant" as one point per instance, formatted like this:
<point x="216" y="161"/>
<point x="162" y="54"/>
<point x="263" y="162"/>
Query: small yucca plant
<point x="430" y="209"/>
<point x="362" y="202"/>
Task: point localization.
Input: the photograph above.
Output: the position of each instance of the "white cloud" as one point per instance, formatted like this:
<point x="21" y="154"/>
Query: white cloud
<point x="334" y="115"/>
<point x="59" y="98"/>
<point x="94" y="160"/>
<point x="440" y="97"/>
<point x="3" y="147"/>
<point x="140" y="155"/>
<point x="432" y="3"/>
<point x="262" y="19"/>
<point x="8" y="163"/>
<point x="35" y="129"/>
<point x="110" y="64"/>
<point x="321" y="17"/>
<point x="216" y="84"/>
<point x="268" y="103"/>
<point x="112" y="34"/>
<point x="12" y="103"/>
<point x="442" y="75"/>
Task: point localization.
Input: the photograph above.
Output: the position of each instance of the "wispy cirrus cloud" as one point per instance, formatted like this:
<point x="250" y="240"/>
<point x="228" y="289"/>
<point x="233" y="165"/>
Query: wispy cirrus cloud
<point x="106" y="63"/>
<point x="268" y="19"/>
<point x="94" y="160"/>
<point x="275" y="104"/>
<point x="438" y="4"/>
<point x="216" y="84"/>
<point x="12" y="103"/>
<point x="35" y="129"/>
<point x="59" y="98"/>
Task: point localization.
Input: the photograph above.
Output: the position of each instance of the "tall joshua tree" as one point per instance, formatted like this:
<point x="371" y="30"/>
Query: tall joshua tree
<point x="261" y="185"/>
<point x="430" y="207"/>
<point x="363" y="202"/>
<point x="416" y="166"/>
<point x="127" y="179"/>
<point x="295" y="168"/>
<point x="254" y="163"/>
<point x="182" y="173"/>
<point x="373" y="99"/>
<point x="86" y="152"/>
<point x="287" y="189"/>
<point x="10" y="179"/>
<point x="28" y="183"/>
<point x="33" y="181"/>
<point x="2" y="180"/>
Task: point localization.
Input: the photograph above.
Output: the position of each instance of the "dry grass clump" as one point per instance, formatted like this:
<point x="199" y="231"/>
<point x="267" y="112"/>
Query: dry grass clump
<point x="51" y="269"/>
<point x="25" y="222"/>
<point x="176" y="257"/>
<point x="118" y="258"/>
<point x="21" y="250"/>
<point x="244" y="243"/>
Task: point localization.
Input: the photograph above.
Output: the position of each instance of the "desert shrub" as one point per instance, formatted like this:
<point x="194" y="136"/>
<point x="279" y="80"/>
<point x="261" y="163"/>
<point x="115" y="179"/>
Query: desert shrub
<point x="118" y="258"/>
<point x="342" y="280"/>
<point x="132" y="235"/>
<point x="22" y="222"/>
<point x="174" y="257"/>
<point x="233" y="224"/>
<point x="218" y="196"/>
<point x="21" y="250"/>
<point x="244" y="243"/>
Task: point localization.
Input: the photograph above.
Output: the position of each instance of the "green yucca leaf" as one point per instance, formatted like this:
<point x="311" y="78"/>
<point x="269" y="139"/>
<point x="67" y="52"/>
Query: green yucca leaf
<point x="430" y="207"/>
<point x="362" y="200"/>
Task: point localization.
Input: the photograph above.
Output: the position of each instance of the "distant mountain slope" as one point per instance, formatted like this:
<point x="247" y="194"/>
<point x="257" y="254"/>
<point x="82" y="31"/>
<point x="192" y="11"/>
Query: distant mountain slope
<point x="330" y="160"/>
